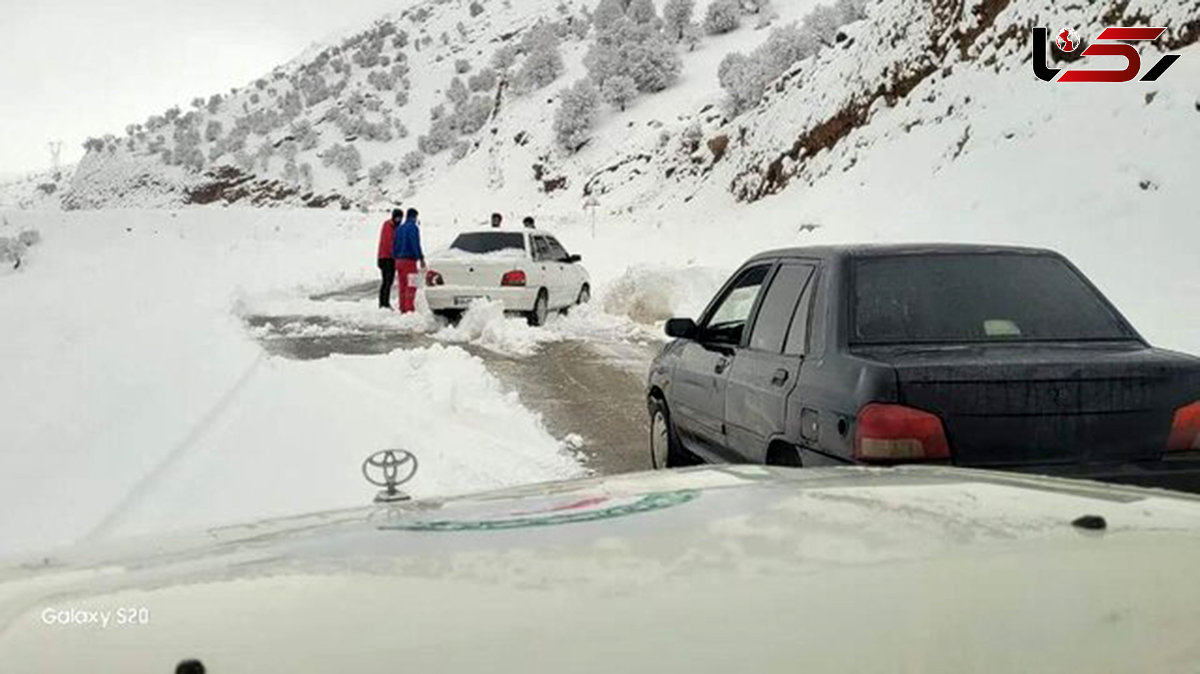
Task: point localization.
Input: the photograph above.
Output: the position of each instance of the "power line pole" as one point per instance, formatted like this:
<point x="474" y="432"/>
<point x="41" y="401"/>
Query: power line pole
<point x="55" y="153"/>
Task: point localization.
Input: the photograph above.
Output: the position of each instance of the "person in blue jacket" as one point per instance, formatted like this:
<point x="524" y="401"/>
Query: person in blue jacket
<point x="406" y="249"/>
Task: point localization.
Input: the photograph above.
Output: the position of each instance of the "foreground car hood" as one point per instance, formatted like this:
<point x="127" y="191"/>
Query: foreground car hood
<point x="920" y="569"/>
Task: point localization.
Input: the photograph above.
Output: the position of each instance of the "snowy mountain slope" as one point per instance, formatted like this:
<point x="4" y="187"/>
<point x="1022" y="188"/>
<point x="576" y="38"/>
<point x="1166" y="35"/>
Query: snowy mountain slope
<point x="930" y="63"/>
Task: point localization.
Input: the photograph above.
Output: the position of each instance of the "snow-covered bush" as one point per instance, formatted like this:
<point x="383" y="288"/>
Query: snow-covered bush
<point x="441" y="135"/>
<point x="411" y="163"/>
<point x="475" y="114"/>
<point x="380" y="172"/>
<point x="213" y="130"/>
<point x="607" y="13"/>
<point x="483" y="80"/>
<point x="637" y="51"/>
<point x="677" y="17"/>
<point x="462" y="66"/>
<point x="643" y="13"/>
<point x="723" y="16"/>
<point x="543" y="61"/>
<point x="345" y="158"/>
<point x="476" y="8"/>
<point x="13" y="249"/>
<point x="619" y="91"/>
<point x="505" y="57"/>
<point x="457" y="93"/>
<point x="305" y="135"/>
<point x="576" y="115"/>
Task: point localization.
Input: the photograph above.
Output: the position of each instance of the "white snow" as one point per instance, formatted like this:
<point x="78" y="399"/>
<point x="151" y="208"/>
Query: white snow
<point x="135" y="400"/>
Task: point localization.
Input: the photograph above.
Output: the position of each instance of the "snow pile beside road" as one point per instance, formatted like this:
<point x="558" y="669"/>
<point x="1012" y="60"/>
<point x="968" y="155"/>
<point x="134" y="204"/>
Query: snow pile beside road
<point x="134" y="399"/>
<point x="651" y="295"/>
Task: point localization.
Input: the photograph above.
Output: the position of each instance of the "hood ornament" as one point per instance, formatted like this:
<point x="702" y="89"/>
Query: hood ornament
<point x="389" y="469"/>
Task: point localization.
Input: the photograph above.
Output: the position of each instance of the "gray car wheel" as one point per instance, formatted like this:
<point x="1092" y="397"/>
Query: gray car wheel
<point x="665" y="450"/>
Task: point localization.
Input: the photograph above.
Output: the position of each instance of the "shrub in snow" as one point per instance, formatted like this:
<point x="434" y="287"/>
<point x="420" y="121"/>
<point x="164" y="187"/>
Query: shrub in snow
<point x="380" y="172"/>
<point x="441" y="135"/>
<point x="346" y="159"/>
<point x="457" y="93"/>
<point x="214" y="104"/>
<point x="607" y="13"/>
<point x="476" y="9"/>
<point x="475" y="114"/>
<point x="306" y="176"/>
<point x="460" y="150"/>
<point x="643" y="12"/>
<point x="677" y="17"/>
<point x="543" y="62"/>
<point x="723" y="16"/>
<point x="484" y="80"/>
<point x="639" y="52"/>
<point x="505" y="57"/>
<point x="462" y="66"/>
<point x="411" y="163"/>
<point x="304" y="134"/>
<point x="213" y="131"/>
<point x="619" y="91"/>
<point x="401" y="98"/>
<point x="401" y="130"/>
<point x="381" y="80"/>
<point x="576" y="115"/>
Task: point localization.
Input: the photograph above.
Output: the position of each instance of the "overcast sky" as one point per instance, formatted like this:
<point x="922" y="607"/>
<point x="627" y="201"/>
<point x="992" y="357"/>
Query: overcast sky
<point x="70" y="69"/>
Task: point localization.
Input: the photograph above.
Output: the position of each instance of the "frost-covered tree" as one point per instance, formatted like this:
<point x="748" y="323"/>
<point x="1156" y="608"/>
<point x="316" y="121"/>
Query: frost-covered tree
<point x="475" y="114"/>
<point x="723" y="16"/>
<point x="576" y="115"/>
<point x="607" y="13"/>
<point x="543" y="61"/>
<point x="306" y="137"/>
<point x="505" y="57"/>
<point x="746" y="77"/>
<point x="643" y="12"/>
<point x="345" y="158"/>
<point x="213" y="131"/>
<point x="677" y="17"/>
<point x="442" y="134"/>
<point x="214" y="104"/>
<point x="639" y="52"/>
<point x="457" y="93"/>
<point x="380" y="172"/>
<point x="483" y="80"/>
<point x="411" y="163"/>
<point x="823" y="23"/>
<point x="619" y="91"/>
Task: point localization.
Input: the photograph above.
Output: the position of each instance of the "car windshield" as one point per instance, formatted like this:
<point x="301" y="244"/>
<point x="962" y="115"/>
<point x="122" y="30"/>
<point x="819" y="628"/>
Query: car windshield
<point x="948" y="298"/>
<point x="484" y="243"/>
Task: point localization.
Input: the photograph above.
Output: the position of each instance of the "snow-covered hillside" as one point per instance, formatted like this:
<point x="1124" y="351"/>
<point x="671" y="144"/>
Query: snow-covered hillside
<point x="353" y="123"/>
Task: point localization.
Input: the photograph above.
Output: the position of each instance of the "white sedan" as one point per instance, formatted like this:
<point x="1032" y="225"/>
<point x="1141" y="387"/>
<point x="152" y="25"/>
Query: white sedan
<point x="529" y="271"/>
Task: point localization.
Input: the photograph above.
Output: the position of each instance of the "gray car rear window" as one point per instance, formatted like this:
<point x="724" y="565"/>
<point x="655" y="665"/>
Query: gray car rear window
<point x="993" y="297"/>
<point x="489" y="242"/>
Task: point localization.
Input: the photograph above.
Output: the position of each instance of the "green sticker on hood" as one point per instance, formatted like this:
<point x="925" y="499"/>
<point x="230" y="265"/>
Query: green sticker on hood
<point x="585" y="509"/>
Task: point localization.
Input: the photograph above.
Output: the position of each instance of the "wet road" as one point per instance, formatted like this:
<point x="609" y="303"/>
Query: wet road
<point x="594" y="390"/>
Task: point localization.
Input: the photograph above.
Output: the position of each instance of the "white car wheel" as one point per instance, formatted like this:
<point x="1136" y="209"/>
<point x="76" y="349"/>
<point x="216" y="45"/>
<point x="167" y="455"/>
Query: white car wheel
<point x="541" y="307"/>
<point x="585" y="295"/>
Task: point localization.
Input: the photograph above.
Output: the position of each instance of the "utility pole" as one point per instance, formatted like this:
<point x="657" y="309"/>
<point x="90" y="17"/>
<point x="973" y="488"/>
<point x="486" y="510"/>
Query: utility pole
<point x="592" y="204"/>
<point x="55" y="152"/>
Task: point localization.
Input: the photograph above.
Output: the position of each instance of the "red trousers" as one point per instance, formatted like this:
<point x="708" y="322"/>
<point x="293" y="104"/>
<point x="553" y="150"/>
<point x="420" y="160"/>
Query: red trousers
<point x="406" y="274"/>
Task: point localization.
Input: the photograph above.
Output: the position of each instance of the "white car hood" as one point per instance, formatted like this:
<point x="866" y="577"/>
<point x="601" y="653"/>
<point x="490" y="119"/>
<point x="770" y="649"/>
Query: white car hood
<point x="714" y="569"/>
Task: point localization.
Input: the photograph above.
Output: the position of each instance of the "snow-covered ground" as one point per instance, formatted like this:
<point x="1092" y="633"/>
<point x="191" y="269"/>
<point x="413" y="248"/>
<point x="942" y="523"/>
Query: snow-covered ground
<point x="134" y="399"/>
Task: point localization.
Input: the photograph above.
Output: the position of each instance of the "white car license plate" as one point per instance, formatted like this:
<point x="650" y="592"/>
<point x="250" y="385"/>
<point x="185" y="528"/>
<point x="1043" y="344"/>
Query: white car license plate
<point x="465" y="300"/>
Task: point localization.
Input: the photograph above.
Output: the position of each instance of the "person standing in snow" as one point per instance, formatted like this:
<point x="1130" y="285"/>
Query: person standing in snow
<point x="387" y="263"/>
<point x="497" y="220"/>
<point x="528" y="222"/>
<point x="409" y="256"/>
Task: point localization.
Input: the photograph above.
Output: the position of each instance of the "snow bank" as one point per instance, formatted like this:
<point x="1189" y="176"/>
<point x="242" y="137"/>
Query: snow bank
<point x="134" y="398"/>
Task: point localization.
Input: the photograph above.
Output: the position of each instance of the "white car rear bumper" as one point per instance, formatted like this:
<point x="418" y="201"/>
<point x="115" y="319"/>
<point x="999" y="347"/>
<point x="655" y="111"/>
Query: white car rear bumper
<point x="451" y="298"/>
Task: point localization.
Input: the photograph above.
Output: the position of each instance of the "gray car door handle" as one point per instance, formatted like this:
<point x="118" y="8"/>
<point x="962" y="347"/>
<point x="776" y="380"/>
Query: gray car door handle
<point x="780" y="378"/>
<point x="721" y="365"/>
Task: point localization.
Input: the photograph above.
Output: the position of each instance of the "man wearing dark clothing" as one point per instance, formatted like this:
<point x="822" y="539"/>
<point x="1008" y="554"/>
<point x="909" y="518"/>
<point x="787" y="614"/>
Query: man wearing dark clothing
<point x="528" y="222"/>
<point x="497" y="220"/>
<point x="387" y="263"/>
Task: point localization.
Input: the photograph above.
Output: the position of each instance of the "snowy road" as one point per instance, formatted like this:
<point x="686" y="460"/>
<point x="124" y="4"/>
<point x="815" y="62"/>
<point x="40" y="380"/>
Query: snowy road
<point x="589" y="389"/>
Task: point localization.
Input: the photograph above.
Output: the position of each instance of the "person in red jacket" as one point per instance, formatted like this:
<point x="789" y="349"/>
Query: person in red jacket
<point x="387" y="264"/>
